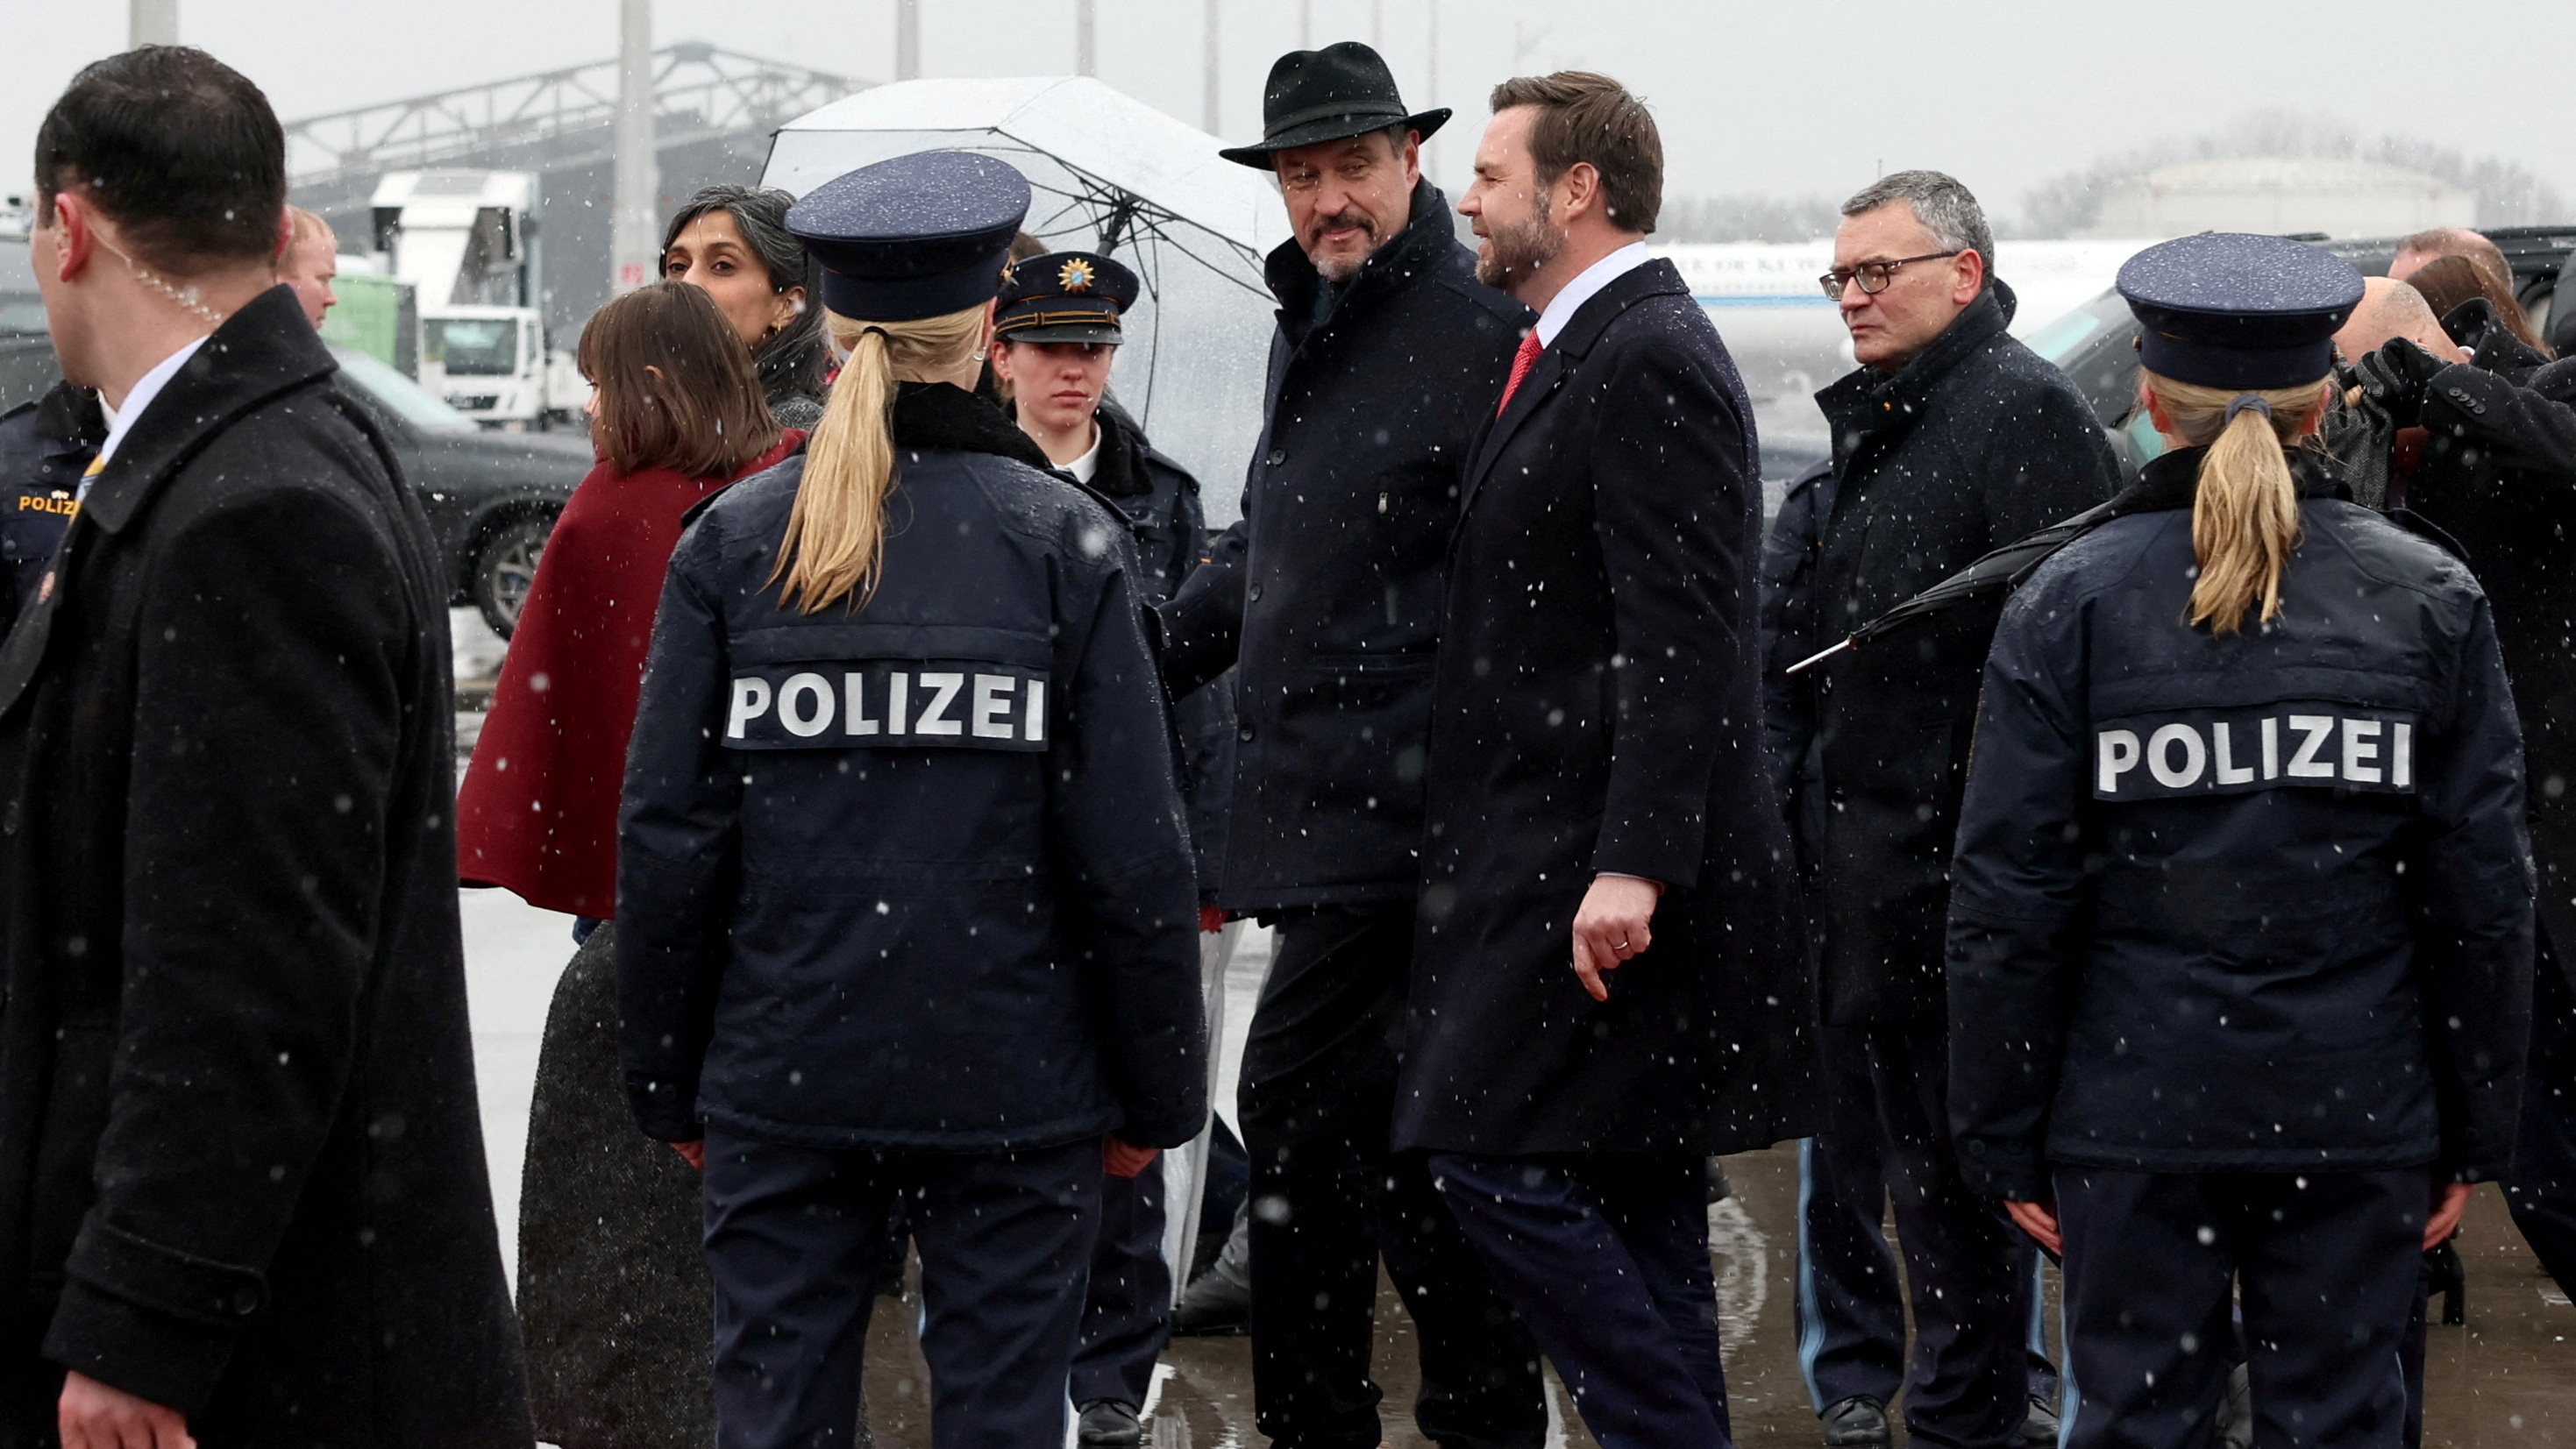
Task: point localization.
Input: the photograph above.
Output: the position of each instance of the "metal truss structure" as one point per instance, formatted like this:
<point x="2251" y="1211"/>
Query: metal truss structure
<point x="699" y="92"/>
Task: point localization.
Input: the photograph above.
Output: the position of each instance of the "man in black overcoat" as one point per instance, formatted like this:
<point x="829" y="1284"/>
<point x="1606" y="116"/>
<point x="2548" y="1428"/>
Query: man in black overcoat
<point x="1950" y="439"/>
<point x="242" y="1189"/>
<point x="2497" y="471"/>
<point x="1388" y="357"/>
<point x="1608" y="985"/>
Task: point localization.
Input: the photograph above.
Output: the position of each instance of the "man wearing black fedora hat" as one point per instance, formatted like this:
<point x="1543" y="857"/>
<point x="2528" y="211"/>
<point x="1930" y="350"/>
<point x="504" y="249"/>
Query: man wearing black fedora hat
<point x="1388" y="357"/>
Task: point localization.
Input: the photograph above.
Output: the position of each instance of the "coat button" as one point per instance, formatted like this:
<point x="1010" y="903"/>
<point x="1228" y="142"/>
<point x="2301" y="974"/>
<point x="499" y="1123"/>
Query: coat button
<point x="1277" y="457"/>
<point x="1244" y="733"/>
<point x="1252" y="592"/>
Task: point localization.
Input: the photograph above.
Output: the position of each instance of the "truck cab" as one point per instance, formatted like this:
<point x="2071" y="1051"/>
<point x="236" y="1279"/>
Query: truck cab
<point x="467" y="239"/>
<point x="489" y="363"/>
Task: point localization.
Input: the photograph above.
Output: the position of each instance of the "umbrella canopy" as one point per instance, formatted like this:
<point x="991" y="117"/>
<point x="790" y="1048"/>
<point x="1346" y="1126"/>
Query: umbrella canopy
<point x="1112" y="175"/>
<point x="1990" y="577"/>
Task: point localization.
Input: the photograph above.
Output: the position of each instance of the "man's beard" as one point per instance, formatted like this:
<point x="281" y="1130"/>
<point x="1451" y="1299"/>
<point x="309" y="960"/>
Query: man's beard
<point x="1334" y="269"/>
<point x="1519" y="250"/>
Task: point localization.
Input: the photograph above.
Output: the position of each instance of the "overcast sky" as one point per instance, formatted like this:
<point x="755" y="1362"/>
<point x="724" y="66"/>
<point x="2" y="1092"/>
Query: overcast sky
<point x="1769" y="96"/>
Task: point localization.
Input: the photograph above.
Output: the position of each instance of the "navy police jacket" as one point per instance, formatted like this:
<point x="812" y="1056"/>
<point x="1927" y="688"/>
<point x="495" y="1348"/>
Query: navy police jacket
<point x="911" y="875"/>
<point x="45" y="446"/>
<point x="2253" y="903"/>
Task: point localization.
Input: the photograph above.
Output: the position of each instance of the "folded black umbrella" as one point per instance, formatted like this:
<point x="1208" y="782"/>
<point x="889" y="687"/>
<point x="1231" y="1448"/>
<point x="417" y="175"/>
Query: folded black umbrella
<point x="1991" y="577"/>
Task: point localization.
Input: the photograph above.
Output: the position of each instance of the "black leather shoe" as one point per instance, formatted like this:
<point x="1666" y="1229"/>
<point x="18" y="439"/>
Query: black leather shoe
<point x="2039" y="1430"/>
<point x="1218" y="1302"/>
<point x="2236" y="1411"/>
<point x="1109" y="1424"/>
<point x="1859" y="1422"/>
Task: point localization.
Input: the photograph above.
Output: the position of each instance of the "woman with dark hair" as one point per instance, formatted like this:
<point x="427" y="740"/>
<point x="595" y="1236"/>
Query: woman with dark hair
<point x="2451" y="283"/>
<point x="732" y="243"/>
<point x="613" y="1290"/>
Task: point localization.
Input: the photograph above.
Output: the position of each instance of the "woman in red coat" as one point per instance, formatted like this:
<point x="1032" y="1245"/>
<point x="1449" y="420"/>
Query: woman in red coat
<point x="677" y="415"/>
<point x="613" y="1291"/>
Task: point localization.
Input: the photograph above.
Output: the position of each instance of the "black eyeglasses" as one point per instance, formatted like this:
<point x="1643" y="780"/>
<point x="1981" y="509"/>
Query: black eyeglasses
<point x="1873" y="276"/>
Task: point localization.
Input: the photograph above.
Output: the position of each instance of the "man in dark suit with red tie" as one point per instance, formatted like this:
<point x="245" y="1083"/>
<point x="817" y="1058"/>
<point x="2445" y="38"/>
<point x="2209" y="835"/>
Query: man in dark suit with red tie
<point x="1607" y="982"/>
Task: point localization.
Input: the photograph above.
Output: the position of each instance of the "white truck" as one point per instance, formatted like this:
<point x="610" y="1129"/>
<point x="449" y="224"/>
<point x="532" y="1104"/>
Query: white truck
<point x="467" y="240"/>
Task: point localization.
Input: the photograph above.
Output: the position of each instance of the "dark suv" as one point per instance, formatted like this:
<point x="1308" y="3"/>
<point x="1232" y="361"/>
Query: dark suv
<point x="491" y="497"/>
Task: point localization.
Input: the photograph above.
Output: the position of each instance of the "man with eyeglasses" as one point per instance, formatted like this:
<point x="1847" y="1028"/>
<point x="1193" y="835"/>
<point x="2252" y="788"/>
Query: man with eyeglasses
<point x="1949" y="440"/>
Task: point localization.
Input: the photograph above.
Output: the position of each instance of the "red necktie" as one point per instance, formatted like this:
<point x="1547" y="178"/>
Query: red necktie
<point x="1521" y="361"/>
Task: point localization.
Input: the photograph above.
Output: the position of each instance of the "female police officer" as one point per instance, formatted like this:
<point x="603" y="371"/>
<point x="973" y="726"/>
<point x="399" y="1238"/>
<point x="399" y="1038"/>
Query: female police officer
<point x="905" y="904"/>
<point x="2240" y="923"/>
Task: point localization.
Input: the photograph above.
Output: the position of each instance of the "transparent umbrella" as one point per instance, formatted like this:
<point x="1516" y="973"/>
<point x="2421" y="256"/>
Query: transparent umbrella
<point x="1111" y="174"/>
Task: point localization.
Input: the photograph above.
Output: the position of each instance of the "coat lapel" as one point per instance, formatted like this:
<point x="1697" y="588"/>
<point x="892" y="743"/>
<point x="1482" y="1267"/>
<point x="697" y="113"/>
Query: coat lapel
<point x="264" y="349"/>
<point x="1563" y="358"/>
<point x="1545" y="375"/>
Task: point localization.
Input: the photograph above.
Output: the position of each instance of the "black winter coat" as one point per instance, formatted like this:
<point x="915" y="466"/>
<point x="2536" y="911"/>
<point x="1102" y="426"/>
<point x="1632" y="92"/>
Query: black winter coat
<point x="1160" y="501"/>
<point x="1598" y="708"/>
<point x="2498" y="473"/>
<point x="1975" y="443"/>
<point x="241" y="1170"/>
<point x="1328" y="590"/>
<point x="912" y="876"/>
<point x="44" y="447"/>
<point x="2246" y="904"/>
<point x="1789" y="632"/>
<point x="1158" y="497"/>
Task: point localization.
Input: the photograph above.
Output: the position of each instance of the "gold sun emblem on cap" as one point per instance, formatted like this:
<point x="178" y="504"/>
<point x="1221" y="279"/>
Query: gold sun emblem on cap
<point x="1074" y="276"/>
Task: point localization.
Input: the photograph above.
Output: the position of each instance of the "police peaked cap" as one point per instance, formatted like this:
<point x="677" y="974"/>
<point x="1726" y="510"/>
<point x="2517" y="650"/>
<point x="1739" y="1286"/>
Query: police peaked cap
<point x="2235" y="310"/>
<point x="1065" y="297"/>
<point x="918" y="236"/>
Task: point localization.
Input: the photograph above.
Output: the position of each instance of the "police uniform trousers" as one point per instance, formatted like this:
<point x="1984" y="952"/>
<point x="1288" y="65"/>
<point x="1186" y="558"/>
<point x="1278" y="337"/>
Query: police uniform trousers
<point x="1127" y="1309"/>
<point x="796" y="1236"/>
<point x="1967" y="1269"/>
<point x="2326" y="1266"/>
<point x="1317" y="1095"/>
<point x="1850" y="1297"/>
<point x="2541" y="1191"/>
<point x="1606" y="1256"/>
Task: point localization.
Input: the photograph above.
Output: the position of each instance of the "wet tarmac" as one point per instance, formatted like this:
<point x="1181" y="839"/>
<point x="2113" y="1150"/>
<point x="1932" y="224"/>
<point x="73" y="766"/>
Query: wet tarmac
<point x="2505" y="1380"/>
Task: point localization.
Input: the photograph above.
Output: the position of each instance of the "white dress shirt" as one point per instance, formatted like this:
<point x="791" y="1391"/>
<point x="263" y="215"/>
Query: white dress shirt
<point x="1586" y="285"/>
<point x="1089" y="463"/>
<point x="120" y="419"/>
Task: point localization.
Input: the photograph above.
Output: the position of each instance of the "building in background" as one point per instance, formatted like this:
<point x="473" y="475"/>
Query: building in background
<point x="714" y="113"/>
<point x="2282" y="196"/>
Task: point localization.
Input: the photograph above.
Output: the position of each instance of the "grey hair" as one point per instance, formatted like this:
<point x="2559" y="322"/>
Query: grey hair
<point x="1947" y="209"/>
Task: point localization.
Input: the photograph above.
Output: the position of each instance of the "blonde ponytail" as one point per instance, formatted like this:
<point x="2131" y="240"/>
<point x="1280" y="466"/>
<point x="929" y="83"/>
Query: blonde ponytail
<point x="834" y="548"/>
<point x="2245" y="514"/>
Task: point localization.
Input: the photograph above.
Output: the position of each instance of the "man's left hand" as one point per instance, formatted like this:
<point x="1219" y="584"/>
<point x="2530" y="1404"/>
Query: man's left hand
<point x="2039" y="1219"/>
<point x="2450" y="1199"/>
<point x="2397" y="377"/>
<point x="1122" y="1158"/>
<point x="92" y="1415"/>
<point x="1610" y="927"/>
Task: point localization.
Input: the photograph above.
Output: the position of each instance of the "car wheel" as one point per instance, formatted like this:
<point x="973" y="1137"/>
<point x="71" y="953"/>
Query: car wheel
<point x="506" y="566"/>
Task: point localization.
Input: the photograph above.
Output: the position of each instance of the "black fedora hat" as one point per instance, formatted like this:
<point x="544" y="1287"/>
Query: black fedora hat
<point x="1323" y="95"/>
